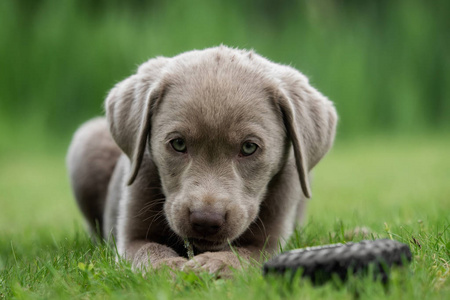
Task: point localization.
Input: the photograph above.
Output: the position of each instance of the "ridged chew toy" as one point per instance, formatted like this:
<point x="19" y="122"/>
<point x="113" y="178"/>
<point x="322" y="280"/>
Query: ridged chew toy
<point x="323" y="262"/>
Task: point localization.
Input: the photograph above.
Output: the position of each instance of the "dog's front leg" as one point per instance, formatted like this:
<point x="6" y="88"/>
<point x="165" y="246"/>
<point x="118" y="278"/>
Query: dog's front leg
<point x="145" y="255"/>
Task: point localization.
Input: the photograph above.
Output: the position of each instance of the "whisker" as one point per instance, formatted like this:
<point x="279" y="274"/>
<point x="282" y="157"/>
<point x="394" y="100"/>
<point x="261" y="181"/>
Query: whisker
<point x="262" y="230"/>
<point x="148" y="206"/>
<point x="155" y="218"/>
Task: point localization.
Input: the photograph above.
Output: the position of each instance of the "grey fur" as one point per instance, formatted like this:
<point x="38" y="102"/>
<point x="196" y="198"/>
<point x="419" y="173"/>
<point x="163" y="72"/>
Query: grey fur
<point x="215" y="99"/>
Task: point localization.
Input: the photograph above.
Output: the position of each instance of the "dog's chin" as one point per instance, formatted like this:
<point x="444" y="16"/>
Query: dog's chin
<point x="207" y="245"/>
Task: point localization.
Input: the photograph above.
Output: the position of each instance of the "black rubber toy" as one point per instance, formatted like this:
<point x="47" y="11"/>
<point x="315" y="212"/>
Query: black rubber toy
<point x="320" y="263"/>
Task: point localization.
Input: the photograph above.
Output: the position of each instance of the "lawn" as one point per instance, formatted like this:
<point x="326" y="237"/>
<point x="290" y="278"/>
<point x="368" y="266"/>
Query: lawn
<point x="397" y="187"/>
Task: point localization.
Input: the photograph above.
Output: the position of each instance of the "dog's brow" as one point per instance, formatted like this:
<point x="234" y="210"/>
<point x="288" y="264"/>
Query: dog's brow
<point x="173" y="135"/>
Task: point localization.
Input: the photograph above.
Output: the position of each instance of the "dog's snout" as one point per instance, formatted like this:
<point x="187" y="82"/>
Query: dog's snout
<point x="206" y="223"/>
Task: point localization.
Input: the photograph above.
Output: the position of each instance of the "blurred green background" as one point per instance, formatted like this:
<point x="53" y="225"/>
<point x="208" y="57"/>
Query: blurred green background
<point x="385" y="64"/>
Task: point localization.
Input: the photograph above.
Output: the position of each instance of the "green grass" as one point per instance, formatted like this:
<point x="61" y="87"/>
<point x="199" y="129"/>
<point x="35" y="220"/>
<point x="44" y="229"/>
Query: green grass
<point x="397" y="187"/>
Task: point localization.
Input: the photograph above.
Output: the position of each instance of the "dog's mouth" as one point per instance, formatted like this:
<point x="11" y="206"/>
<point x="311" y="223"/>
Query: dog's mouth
<point x="207" y="245"/>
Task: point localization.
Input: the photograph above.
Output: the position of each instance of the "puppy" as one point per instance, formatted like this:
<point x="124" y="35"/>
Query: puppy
<point x="214" y="146"/>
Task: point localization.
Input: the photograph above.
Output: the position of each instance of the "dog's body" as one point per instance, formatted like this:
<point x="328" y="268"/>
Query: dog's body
<point x="216" y="146"/>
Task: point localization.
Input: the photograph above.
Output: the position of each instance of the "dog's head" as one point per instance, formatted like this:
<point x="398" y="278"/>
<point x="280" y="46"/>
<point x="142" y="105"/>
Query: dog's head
<point x="218" y="124"/>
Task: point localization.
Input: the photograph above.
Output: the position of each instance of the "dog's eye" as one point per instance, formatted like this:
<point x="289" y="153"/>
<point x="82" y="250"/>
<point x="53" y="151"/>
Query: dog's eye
<point x="248" y="148"/>
<point x="178" y="145"/>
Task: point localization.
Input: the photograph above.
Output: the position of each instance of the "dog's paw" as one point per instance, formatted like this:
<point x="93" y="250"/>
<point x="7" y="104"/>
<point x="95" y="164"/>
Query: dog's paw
<point x="174" y="263"/>
<point x="206" y="262"/>
<point x="218" y="263"/>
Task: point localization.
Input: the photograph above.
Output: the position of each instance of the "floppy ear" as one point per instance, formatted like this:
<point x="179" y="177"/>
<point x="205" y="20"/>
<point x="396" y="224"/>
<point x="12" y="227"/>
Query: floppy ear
<point x="291" y="125"/>
<point x="129" y="108"/>
<point x="310" y="120"/>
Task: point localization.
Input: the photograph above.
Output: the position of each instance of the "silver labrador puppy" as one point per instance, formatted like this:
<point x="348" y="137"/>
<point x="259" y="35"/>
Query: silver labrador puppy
<point x="215" y="146"/>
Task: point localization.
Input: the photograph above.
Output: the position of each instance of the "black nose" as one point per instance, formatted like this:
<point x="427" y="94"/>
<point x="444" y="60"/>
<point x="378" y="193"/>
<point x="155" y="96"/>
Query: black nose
<point x="206" y="223"/>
